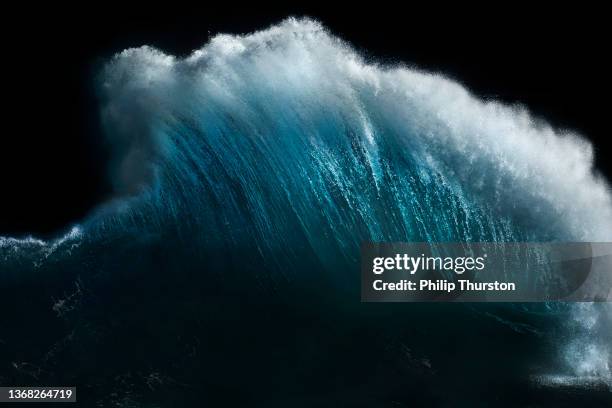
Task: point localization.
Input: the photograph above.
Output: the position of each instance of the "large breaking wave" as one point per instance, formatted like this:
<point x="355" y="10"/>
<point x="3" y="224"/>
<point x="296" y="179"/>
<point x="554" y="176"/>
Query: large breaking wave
<point x="277" y="153"/>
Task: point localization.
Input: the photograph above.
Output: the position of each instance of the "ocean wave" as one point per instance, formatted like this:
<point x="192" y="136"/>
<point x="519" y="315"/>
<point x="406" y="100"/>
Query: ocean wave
<point x="287" y="142"/>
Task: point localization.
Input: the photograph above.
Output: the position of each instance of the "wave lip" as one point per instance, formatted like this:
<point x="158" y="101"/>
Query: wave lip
<point x="35" y="245"/>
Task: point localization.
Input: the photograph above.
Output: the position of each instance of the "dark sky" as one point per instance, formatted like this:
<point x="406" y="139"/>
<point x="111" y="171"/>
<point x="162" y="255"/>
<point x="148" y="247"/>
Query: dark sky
<point x="52" y="161"/>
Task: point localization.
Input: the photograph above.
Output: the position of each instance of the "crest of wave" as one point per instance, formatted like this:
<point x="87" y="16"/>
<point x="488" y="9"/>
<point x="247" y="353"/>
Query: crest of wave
<point x="291" y="122"/>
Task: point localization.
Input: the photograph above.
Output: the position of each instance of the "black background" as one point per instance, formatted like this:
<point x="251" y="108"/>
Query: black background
<point x="53" y="160"/>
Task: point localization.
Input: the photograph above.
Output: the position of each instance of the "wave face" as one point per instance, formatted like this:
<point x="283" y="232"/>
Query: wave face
<point x="265" y="157"/>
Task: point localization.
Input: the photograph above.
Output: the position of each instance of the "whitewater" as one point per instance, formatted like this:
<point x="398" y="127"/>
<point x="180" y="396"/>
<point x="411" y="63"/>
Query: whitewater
<point x="287" y="141"/>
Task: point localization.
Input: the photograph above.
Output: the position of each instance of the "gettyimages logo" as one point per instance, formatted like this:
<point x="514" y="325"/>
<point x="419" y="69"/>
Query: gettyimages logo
<point x="486" y="272"/>
<point x="414" y="264"/>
